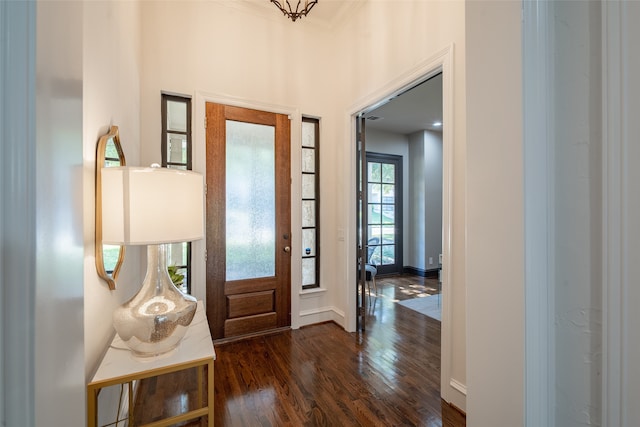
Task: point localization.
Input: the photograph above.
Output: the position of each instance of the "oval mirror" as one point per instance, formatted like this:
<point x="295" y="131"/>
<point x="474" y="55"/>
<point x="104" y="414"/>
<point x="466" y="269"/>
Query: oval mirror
<point x="109" y="258"/>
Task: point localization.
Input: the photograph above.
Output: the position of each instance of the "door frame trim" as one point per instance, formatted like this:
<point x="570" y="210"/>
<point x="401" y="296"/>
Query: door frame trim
<point x="539" y="205"/>
<point x="198" y="262"/>
<point x="453" y="390"/>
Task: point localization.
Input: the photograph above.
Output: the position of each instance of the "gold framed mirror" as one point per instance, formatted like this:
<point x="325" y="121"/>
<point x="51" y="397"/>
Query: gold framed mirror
<point x="109" y="258"/>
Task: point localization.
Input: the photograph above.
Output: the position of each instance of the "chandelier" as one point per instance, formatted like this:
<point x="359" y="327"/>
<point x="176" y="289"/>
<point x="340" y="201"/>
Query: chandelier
<point x="297" y="13"/>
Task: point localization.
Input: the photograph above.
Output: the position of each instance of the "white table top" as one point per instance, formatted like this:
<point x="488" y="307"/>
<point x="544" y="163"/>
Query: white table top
<point x="196" y="345"/>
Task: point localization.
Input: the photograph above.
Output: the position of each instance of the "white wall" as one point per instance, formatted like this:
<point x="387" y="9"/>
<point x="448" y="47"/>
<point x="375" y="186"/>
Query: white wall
<point x="621" y="212"/>
<point x="392" y="143"/>
<point x="495" y="242"/>
<point x="382" y="43"/>
<point x="111" y="96"/>
<point x="578" y="213"/>
<point x="425" y="204"/>
<point x="631" y="205"/>
<point x="415" y="254"/>
<point x="58" y="332"/>
<point x="433" y="198"/>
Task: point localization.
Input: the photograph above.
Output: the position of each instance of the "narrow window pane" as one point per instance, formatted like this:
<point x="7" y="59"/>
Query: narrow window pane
<point x="176" y="116"/>
<point x="388" y="193"/>
<point x="308" y="160"/>
<point x="376" y="258"/>
<point x="374" y="172"/>
<point x="183" y="287"/>
<point x="176" y="154"/>
<point x="309" y="242"/>
<point x="250" y="201"/>
<point x="388" y="214"/>
<point x="388" y="173"/>
<point x="308" y="271"/>
<point x="375" y="231"/>
<point x="308" y="186"/>
<point x="375" y="193"/>
<point x="388" y="254"/>
<point x="374" y="214"/>
<point x="308" y="213"/>
<point x="110" y="150"/>
<point x="310" y="202"/>
<point x="110" y="254"/>
<point x="177" y="254"/>
<point x="176" y="148"/>
<point x="388" y="234"/>
<point x="308" y="134"/>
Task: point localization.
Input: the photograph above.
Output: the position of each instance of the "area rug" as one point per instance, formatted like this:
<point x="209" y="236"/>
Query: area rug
<point x="429" y="306"/>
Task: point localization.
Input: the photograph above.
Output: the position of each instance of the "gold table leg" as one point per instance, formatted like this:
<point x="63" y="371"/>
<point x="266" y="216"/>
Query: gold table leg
<point x="92" y="404"/>
<point x="210" y="391"/>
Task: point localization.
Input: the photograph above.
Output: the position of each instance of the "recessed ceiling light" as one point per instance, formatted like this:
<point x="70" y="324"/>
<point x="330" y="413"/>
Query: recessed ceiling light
<point x="437" y="123"/>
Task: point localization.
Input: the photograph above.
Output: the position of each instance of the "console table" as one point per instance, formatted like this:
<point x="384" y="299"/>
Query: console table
<point x="120" y="366"/>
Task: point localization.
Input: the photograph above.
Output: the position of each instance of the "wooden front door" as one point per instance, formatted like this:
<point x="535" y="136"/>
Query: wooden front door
<point x="248" y="221"/>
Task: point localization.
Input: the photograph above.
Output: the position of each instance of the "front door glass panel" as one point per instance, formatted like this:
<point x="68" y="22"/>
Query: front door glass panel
<point x="250" y="201"/>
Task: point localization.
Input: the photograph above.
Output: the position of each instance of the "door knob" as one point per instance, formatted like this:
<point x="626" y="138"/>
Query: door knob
<point x="287" y="249"/>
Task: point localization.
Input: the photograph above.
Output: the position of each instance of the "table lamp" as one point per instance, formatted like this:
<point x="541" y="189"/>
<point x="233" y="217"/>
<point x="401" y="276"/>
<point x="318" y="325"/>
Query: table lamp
<point x="153" y="206"/>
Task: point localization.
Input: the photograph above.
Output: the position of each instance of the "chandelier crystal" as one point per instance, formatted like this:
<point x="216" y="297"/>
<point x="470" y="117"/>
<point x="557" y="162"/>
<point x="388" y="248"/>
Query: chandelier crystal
<point x="287" y="9"/>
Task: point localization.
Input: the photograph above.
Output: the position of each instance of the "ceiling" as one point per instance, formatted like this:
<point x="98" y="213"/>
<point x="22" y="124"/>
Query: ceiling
<point x="330" y="12"/>
<point x="412" y="111"/>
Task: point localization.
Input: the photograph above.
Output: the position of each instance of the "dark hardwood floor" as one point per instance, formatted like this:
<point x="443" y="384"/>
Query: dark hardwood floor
<point x="321" y="375"/>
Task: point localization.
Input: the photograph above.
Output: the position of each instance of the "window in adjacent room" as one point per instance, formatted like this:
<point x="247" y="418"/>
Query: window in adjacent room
<point x="310" y="203"/>
<point x="176" y="153"/>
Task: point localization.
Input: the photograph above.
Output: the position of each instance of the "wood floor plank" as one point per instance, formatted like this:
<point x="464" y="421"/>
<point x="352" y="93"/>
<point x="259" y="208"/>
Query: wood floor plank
<point x="323" y="376"/>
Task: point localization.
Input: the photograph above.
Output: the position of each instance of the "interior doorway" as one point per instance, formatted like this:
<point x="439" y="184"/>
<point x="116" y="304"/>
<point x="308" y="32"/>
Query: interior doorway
<point x="451" y="331"/>
<point x="400" y="206"/>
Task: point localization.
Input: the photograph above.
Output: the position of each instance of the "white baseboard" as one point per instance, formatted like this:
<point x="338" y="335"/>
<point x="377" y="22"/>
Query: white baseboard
<point x="457" y="385"/>
<point x="455" y="393"/>
<point x="322" y="314"/>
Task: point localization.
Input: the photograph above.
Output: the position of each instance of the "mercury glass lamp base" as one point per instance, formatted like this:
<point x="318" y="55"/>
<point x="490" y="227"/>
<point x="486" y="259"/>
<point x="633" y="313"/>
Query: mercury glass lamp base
<point x="156" y="319"/>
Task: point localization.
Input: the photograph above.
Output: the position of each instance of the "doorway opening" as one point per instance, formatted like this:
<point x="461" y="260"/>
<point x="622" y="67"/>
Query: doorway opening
<point x="369" y="115"/>
<point x="400" y="206"/>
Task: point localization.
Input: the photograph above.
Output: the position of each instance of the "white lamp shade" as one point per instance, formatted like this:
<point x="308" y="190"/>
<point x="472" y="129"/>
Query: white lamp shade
<point x="142" y="206"/>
